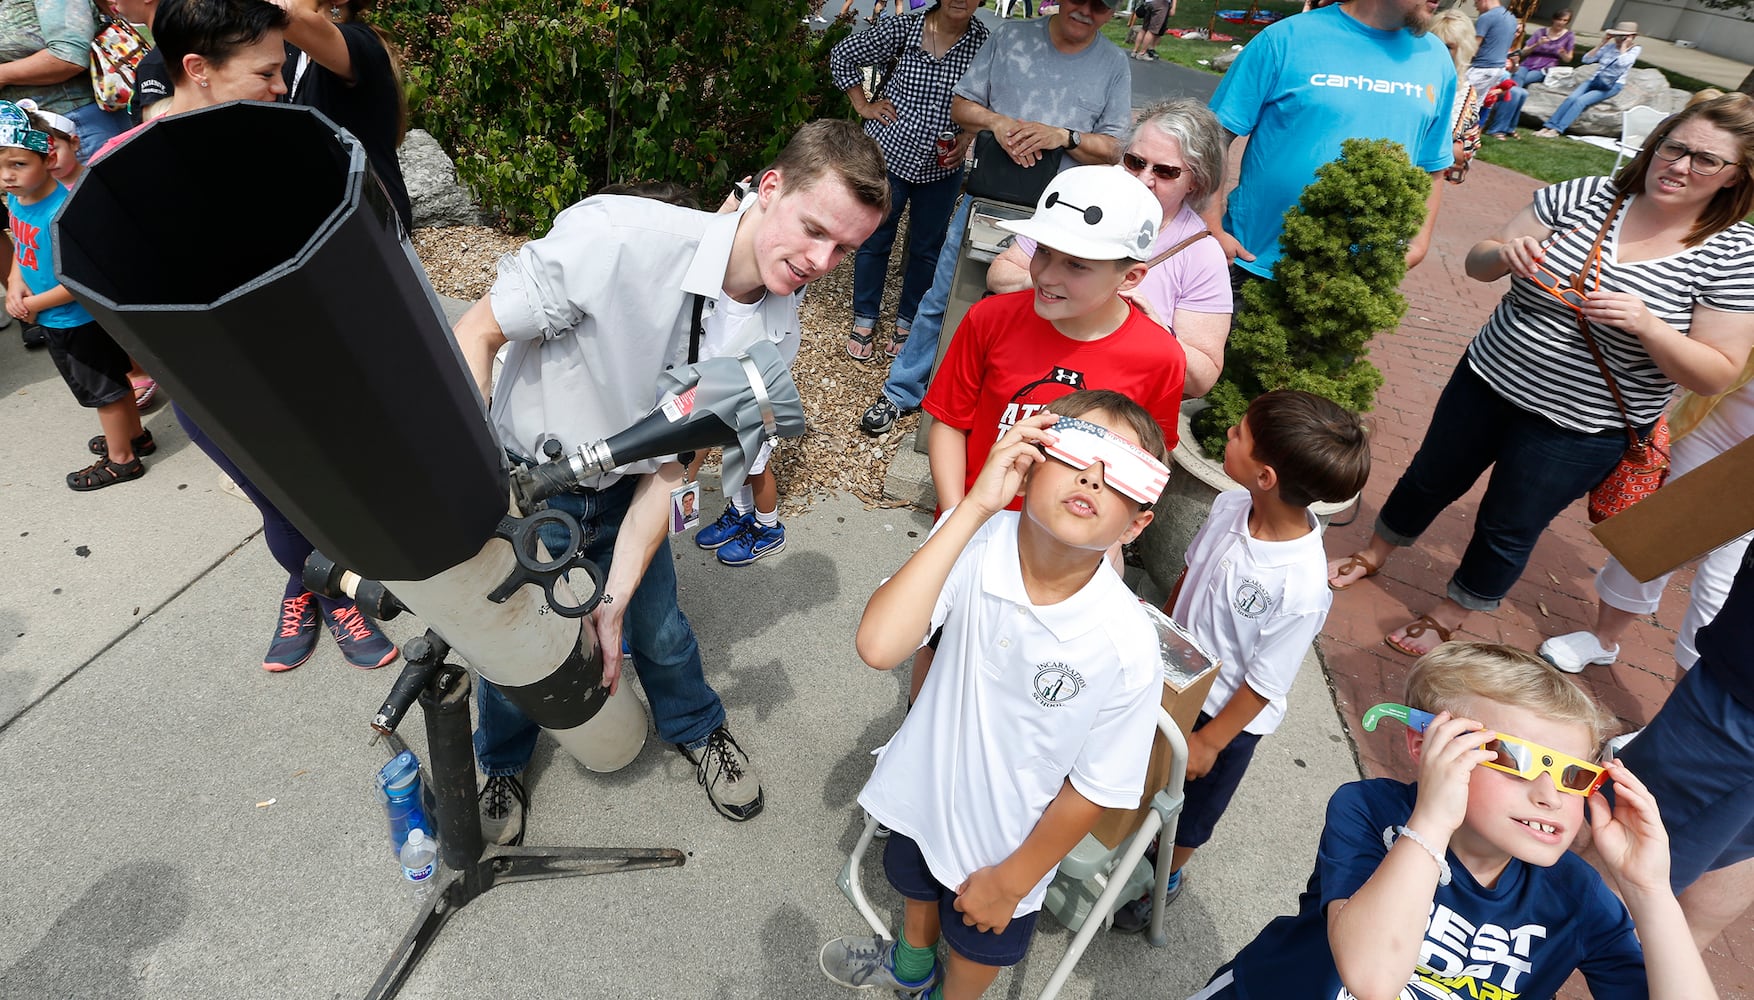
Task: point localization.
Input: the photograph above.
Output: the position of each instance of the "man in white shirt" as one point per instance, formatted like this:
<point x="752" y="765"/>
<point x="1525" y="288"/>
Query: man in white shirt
<point x="595" y="311"/>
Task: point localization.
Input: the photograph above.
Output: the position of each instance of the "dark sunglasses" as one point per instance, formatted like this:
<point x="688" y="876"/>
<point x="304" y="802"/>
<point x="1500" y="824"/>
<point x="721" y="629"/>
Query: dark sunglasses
<point x="1091" y="3"/>
<point x="1161" y="171"/>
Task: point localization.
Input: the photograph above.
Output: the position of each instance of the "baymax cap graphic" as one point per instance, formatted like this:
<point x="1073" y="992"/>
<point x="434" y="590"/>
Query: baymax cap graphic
<point x="1094" y="212"/>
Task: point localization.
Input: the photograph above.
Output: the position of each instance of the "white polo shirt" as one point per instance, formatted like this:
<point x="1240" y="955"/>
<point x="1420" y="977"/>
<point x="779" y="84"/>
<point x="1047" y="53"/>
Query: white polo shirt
<point x="1020" y="697"/>
<point x="596" y="310"/>
<point x="1255" y="605"/>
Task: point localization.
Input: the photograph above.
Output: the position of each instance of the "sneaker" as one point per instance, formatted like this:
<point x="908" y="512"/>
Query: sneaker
<point x="721" y="766"/>
<point x="1576" y="650"/>
<point x="729" y="525"/>
<point x="756" y="541"/>
<point x="502" y="804"/>
<point x="1134" y="917"/>
<point x="296" y="637"/>
<point x="361" y="643"/>
<point x="34" y="336"/>
<point x="1149" y="56"/>
<point x="880" y="416"/>
<point x="821" y="20"/>
<point x="869" y="963"/>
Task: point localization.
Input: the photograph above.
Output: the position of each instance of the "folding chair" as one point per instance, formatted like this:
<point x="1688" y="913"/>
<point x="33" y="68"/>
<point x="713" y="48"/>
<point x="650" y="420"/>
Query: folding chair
<point x="1112" y="876"/>
<point x="1635" y="127"/>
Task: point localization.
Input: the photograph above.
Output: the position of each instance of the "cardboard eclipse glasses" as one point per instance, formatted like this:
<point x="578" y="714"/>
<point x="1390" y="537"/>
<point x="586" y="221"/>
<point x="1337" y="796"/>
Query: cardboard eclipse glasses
<point x="1515" y="756"/>
<point x="1127" y="469"/>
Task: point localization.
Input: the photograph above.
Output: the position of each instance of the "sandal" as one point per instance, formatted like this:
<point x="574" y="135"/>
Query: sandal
<point x="866" y="340"/>
<point x="1416" y="628"/>
<point x="1355" y="561"/>
<point x="145" y="391"/>
<point x="143" y="445"/>
<point x="104" y="472"/>
<point x="897" y="340"/>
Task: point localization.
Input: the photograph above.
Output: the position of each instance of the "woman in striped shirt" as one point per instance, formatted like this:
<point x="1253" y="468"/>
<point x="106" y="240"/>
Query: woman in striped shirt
<point x="1669" y="299"/>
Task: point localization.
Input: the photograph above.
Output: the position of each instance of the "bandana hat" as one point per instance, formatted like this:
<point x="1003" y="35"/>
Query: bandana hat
<point x="16" y="131"/>
<point x="60" y="123"/>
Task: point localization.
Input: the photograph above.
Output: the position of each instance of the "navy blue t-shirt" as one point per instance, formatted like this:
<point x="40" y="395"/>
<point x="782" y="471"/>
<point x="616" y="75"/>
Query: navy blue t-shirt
<point x="1521" y="938"/>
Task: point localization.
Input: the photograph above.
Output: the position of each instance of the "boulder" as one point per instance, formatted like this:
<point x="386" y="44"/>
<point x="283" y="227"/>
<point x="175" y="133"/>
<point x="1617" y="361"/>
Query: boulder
<point x="439" y="198"/>
<point x="1221" y="62"/>
<point x="1643" y="86"/>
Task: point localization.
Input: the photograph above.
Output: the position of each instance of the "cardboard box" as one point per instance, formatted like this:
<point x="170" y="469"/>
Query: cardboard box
<point x="1686" y="518"/>
<point x="1188" y="672"/>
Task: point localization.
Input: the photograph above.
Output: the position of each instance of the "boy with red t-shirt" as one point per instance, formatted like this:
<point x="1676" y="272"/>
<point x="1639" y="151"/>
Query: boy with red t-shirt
<point x="1014" y="354"/>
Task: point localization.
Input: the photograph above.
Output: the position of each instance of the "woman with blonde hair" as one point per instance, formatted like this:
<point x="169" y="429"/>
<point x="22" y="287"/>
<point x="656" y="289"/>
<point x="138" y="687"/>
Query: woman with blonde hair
<point x="1458" y="35"/>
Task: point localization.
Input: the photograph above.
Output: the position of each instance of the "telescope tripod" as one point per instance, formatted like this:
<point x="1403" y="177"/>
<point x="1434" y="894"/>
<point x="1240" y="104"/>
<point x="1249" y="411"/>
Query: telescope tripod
<point x="470" y="866"/>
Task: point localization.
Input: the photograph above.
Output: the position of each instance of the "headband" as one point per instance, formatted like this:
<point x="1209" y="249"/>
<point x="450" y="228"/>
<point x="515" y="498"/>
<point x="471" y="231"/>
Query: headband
<point x="60" y="123"/>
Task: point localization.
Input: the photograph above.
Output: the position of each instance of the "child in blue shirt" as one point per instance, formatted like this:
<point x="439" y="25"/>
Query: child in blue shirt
<point x="1463" y="884"/>
<point x="94" y="367"/>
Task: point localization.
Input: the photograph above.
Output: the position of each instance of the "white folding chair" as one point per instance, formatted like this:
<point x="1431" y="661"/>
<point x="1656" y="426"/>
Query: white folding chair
<point x="1090" y="863"/>
<point x="1635" y="127"/>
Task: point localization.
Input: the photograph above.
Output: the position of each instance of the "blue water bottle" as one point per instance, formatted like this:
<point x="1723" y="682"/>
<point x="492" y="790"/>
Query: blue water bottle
<point x="399" y="791"/>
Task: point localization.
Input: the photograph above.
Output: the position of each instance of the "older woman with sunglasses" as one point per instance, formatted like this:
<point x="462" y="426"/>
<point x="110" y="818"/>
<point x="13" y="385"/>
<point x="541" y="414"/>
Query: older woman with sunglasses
<point x="1177" y="149"/>
<point x="1659" y="265"/>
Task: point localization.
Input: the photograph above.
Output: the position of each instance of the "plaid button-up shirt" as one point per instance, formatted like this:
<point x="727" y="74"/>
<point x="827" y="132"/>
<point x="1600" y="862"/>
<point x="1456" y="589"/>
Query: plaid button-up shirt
<point x="919" y="87"/>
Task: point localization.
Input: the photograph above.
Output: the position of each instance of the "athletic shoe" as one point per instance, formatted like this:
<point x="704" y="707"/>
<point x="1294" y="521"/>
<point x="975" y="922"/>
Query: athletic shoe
<point x="721" y="766"/>
<point x="502" y="804"/>
<point x="880" y="416"/>
<point x="729" y="525"/>
<point x="1576" y="650"/>
<point x="1134" y="917"/>
<point x="34" y="336"/>
<point x="361" y="643"/>
<point x="869" y="963"/>
<point x="755" y="541"/>
<point x="296" y="637"/>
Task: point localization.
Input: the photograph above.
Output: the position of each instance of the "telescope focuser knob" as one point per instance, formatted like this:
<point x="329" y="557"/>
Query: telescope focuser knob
<point x="553" y="449"/>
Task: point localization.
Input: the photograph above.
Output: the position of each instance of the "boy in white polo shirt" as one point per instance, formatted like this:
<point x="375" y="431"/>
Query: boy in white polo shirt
<point x="1039" y="711"/>
<point x="1255" y="594"/>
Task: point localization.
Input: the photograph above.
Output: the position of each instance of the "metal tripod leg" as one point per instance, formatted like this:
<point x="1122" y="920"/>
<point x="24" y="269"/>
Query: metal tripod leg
<point x="470" y="867"/>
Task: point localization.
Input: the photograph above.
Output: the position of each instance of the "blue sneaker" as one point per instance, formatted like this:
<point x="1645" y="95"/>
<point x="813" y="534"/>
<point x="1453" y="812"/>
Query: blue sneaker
<point x="755" y="541"/>
<point x="296" y="636"/>
<point x="869" y="963"/>
<point x="362" y="645"/>
<point x="729" y="525"/>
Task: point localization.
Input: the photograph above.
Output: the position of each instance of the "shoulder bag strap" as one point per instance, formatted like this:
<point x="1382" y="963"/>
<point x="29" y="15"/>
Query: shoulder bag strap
<point x="1178" y="248"/>
<point x="1583" y="325"/>
<point x="697" y="330"/>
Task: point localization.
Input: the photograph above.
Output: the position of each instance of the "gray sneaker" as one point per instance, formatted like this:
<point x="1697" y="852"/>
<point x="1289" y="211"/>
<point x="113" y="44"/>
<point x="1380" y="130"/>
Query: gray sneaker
<point x="721" y="766"/>
<point x="502" y="803"/>
<point x="867" y="963"/>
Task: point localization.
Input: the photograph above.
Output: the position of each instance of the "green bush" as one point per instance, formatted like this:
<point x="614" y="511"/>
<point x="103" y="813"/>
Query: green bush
<point x="1334" y="287"/>
<point x="522" y="92"/>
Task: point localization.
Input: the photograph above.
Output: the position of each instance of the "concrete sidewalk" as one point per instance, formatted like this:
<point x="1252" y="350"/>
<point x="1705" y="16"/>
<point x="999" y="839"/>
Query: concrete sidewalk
<point x="140" y="741"/>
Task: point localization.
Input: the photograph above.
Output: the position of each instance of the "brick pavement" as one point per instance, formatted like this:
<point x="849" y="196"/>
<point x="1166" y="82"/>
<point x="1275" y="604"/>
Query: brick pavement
<point x="1555" y="595"/>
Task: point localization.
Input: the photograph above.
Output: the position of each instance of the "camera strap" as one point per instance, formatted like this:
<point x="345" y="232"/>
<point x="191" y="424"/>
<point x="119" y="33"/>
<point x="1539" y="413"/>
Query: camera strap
<point x="697" y="331"/>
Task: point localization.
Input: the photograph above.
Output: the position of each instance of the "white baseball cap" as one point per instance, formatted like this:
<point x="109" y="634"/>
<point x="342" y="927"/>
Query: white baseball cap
<point x="1094" y="212"/>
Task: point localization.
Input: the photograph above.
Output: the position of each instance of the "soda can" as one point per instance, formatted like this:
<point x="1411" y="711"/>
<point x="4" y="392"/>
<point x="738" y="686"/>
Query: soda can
<point x="946" y="146"/>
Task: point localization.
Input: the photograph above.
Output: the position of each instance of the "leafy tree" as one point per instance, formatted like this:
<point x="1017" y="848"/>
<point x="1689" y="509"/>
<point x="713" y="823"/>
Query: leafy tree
<point x="543" y="101"/>
<point x="1334" y="287"/>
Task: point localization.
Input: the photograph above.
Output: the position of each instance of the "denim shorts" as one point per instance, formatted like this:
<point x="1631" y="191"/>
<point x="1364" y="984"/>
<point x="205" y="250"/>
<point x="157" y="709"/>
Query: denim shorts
<point x="907" y="871"/>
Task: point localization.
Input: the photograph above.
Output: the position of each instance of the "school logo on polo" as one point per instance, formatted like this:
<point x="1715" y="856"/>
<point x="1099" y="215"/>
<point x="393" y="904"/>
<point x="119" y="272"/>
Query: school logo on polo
<point x="1056" y="684"/>
<point x="1251" y="599"/>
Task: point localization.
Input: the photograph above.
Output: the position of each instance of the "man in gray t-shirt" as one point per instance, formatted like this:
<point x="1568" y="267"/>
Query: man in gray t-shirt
<point x="1495" y="27"/>
<point x="1038" y="86"/>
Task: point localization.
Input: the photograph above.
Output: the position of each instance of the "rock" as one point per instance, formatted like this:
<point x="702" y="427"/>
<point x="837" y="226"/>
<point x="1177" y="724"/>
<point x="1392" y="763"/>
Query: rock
<point x="1221" y="62"/>
<point x="1643" y="86"/>
<point x="439" y="199"/>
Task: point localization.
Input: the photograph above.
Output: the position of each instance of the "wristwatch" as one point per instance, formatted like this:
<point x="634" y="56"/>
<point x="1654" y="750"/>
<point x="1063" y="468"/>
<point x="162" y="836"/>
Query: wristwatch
<point x="1071" y="139"/>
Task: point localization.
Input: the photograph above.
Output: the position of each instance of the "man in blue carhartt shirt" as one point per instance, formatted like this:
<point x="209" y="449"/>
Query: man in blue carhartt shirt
<point x="1363" y="69"/>
<point x="1496" y="27"/>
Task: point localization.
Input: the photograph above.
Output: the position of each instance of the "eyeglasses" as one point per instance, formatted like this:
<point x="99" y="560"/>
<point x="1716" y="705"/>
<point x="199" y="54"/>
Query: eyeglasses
<point x="1161" y="171"/>
<point x="1562" y="289"/>
<point x="1092" y="215"/>
<point x="1127" y="469"/>
<point x="1704" y="164"/>
<point x="1516" y="756"/>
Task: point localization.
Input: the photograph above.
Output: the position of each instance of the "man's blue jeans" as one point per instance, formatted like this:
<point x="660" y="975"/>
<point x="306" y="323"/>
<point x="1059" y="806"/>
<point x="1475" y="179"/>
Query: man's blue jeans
<point x="932" y="204"/>
<point x="1510" y="108"/>
<point x="96" y="127"/>
<point x="1538" y="469"/>
<point x="666" y="656"/>
<point x="913" y="366"/>
<point x="1586" y="96"/>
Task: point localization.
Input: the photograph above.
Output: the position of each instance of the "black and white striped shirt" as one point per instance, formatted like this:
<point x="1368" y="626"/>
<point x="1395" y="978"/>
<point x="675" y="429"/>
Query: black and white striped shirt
<point x="919" y="87"/>
<point x="1530" y="349"/>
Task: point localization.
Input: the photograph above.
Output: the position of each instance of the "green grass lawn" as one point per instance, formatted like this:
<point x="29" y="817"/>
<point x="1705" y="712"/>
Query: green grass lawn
<point x="1199" y="14"/>
<point x="1550" y="160"/>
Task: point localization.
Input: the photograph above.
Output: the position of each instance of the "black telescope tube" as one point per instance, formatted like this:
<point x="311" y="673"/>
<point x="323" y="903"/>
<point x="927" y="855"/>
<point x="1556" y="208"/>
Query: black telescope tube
<point x="285" y="313"/>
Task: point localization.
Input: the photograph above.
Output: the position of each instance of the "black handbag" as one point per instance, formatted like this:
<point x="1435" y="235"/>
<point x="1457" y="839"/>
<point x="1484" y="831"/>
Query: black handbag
<point x="995" y="176"/>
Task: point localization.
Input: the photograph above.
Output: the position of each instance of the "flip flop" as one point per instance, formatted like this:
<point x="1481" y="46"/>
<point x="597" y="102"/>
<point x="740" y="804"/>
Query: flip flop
<point x="145" y="391"/>
<point x="1415" y="628"/>
<point x="896" y="341"/>
<point x="867" y="340"/>
<point x="1354" y="561"/>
